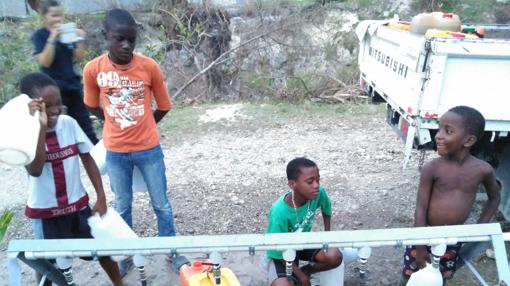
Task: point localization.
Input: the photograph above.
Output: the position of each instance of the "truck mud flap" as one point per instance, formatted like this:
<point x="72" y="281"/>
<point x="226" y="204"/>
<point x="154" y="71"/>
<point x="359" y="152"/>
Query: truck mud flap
<point x="397" y="122"/>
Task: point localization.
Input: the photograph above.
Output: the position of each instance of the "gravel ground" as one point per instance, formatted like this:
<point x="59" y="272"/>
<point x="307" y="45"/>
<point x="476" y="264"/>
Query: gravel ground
<point x="227" y="167"/>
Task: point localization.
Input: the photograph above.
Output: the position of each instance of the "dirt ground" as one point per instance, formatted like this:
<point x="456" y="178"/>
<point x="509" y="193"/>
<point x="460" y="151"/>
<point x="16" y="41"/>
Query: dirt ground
<point x="226" y="166"/>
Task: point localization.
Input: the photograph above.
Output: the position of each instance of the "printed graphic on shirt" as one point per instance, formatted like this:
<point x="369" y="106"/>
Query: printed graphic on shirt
<point x="307" y="219"/>
<point x="125" y="97"/>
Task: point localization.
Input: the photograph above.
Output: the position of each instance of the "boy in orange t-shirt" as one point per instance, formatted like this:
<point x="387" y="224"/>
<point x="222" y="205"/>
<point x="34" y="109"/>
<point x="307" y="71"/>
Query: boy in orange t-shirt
<point x="125" y="83"/>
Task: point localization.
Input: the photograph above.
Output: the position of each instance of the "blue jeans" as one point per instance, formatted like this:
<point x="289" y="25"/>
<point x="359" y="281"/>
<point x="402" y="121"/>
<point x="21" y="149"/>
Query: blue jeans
<point x="152" y="166"/>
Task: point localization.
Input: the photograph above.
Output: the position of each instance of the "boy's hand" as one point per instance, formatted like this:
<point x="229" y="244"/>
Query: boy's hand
<point x="100" y="206"/>
<point x="38" y="104"/>
<point x="422" y="256"/>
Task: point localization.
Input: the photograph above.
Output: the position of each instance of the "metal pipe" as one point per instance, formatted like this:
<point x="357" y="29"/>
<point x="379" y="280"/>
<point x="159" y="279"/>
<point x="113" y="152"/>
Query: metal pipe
<point x="216" y="260"/>
<point x="142" y="275"/>
<point x="289" y="255"/>
<point x="475" y="272"/>
<point x="40" y="265"/>
<point x="363" y="255"/>
<point x="93" y="244"/>
<point x="139" y="262"/>
<point x="68" y="274"/>
<point x="43" y="280"/>
<point x="262" y="242"/>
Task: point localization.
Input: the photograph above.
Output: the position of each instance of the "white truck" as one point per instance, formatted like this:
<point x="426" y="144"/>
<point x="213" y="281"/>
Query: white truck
<point x="421" y="78"/>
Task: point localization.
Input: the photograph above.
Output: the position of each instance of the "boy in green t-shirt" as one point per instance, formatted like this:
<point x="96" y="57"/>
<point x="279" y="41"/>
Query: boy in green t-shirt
<point x="295" y="212"/>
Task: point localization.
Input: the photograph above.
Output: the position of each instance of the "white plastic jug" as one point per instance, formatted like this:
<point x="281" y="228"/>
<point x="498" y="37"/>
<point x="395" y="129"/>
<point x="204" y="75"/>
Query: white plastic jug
<point x="98" y="152"/>
<point x="19" y="130"/>
<point x="421" y="23"/>
<point x="435" y="20"/>
<point x="428" y="276"/>
<point x="139" y="184"/>
<point x="110" y="225"/>
<point x="333" y="277"/>
<point x="446" y="21"/>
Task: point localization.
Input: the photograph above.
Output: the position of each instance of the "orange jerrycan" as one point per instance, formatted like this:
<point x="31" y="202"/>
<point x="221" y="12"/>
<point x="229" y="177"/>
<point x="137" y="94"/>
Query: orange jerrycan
<point x="205" y="273"/>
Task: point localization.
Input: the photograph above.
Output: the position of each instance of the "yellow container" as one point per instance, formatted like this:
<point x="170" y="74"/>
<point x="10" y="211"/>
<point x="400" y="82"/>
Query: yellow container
<point x="199" y="274"/>
<point x="228" y="278"/>
<point x="398" y="26"/>
<point x="435" y="33"/>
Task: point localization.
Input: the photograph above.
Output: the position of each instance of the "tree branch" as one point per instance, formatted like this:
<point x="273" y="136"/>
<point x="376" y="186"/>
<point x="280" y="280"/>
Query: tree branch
<point x="219" y="59"/>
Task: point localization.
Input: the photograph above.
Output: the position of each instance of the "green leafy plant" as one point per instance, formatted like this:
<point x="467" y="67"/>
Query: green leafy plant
<point x="5" y="220"/>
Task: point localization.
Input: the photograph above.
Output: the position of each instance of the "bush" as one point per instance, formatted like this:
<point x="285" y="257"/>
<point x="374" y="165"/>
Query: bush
<point x="374" y="9"/>
<point x="15" y="55"/>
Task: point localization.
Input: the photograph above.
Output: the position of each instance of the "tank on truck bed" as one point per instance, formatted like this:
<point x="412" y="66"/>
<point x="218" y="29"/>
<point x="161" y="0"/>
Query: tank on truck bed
<point x="420" y="78"/>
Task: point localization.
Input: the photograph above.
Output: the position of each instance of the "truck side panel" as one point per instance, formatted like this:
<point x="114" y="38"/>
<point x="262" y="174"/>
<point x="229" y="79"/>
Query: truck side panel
<point x="475" y="81"/>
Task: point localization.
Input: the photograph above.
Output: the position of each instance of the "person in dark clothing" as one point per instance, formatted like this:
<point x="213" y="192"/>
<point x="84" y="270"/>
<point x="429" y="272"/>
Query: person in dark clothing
<point x="57" y="60"/>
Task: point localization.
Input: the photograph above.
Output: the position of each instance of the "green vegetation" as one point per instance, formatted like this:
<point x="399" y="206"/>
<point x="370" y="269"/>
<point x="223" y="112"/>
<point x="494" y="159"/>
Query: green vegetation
<point x="283" y="110"/>
<point x="156" y="49"/>
<point x="373" y="9"/>
<point x="16" y="49"/>
<point x="473" y="11"/>
<point x="286" y="88"/>
<point x="183" y="121"/>
<point x="15" y="55"/>
<point x="5" y="220"/>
